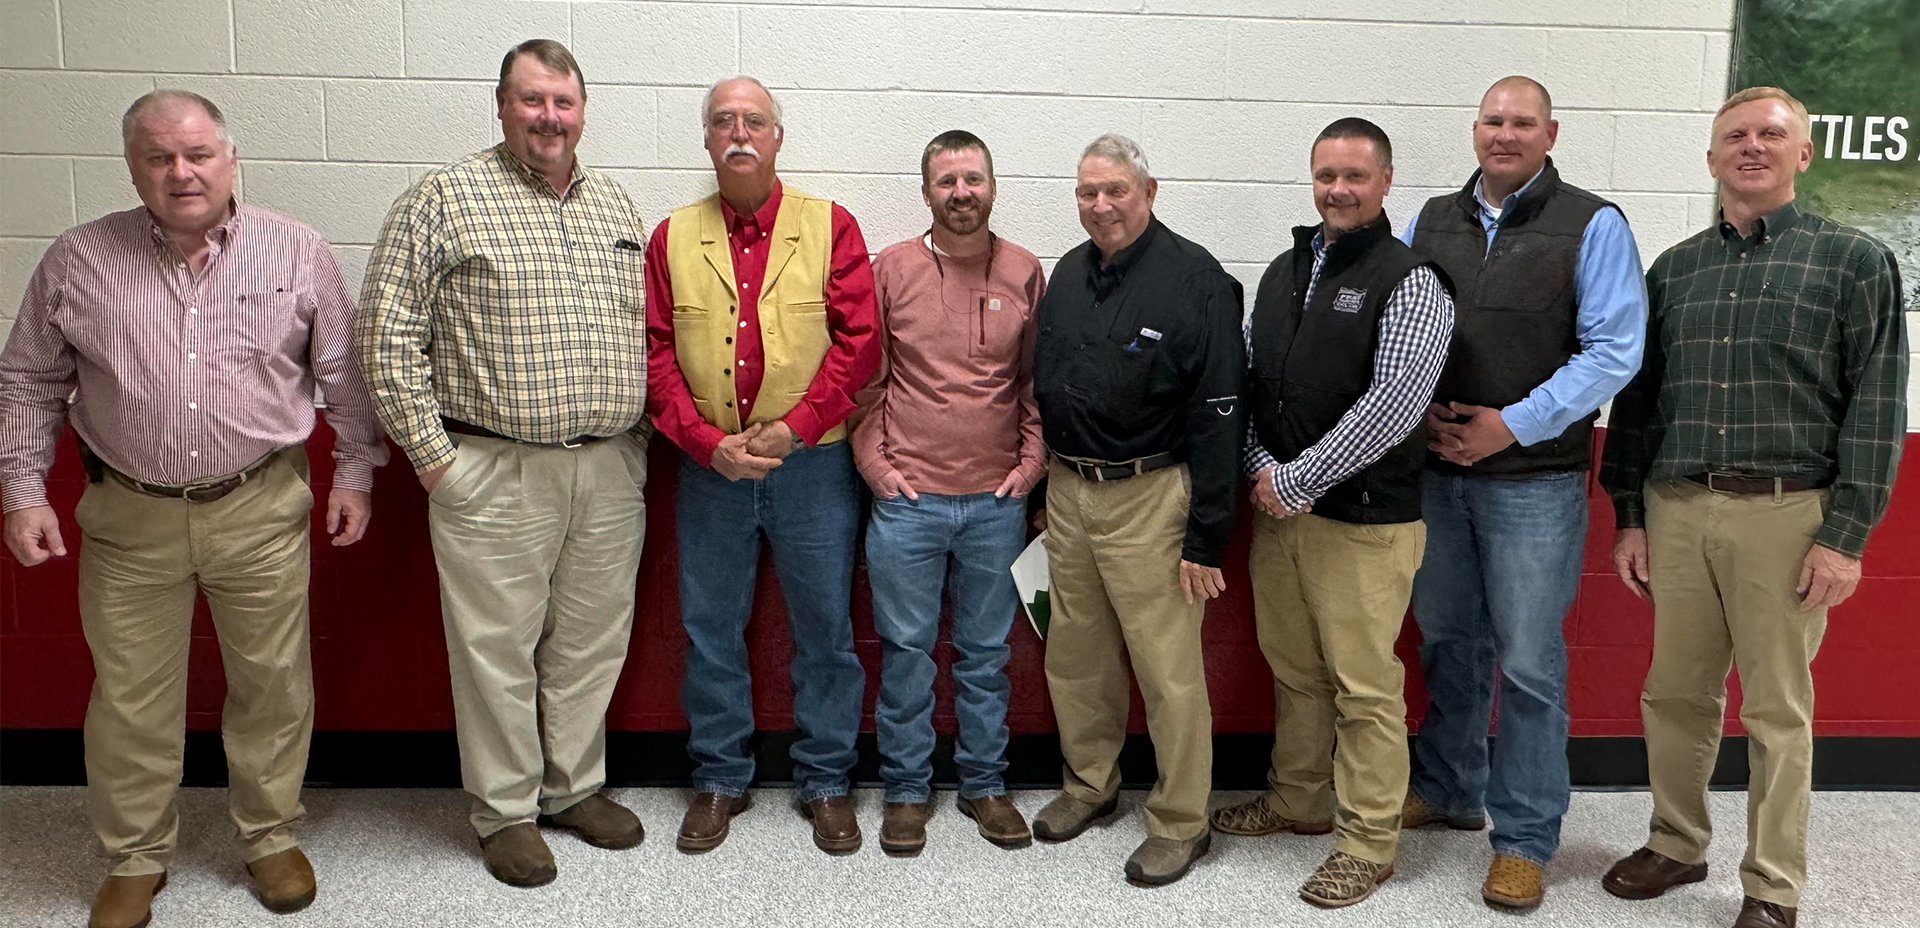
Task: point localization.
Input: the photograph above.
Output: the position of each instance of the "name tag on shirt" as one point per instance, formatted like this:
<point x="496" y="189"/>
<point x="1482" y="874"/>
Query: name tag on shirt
<point x="1348" y="300"/>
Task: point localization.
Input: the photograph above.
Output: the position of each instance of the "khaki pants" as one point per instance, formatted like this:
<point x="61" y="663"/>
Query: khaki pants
<point x="1114" y="551"/>
<point x="1329" y="599"/>
<point x="141" y="558"/>
<point x="1724" y="568"/>
<point x="538" y="548"/>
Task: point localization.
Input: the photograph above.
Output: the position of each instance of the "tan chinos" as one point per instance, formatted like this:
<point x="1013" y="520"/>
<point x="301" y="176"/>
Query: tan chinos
<point x="141" y="559"/>
<point x="537" y="547"/>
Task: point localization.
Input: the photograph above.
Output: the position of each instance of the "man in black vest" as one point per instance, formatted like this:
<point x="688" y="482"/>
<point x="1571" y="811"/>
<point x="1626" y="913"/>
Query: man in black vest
<point x="1551" y="316"/>
<point x="1348" y="336"/>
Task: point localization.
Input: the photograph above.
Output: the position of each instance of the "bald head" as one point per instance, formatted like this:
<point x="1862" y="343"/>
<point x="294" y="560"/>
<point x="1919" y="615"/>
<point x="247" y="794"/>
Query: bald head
<point x="1520" y="84"/>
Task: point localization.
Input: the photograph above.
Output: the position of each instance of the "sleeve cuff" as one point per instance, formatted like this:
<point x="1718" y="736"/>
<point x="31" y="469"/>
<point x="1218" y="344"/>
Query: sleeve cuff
<point x="353" y="475"/>
<point x="1526" y="427"/>
<point x="701" y="444"/>
<point x="431" y="454"/>
<point x="1845" y="541"/>
<point x="1629" y="512"/>
<point x="804" y="423"/>
<point x="23" y="493"/>
<point x="1291" y="496"/>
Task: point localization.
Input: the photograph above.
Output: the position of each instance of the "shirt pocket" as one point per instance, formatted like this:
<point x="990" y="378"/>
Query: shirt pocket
<point x="262" y="328"/>
<point x="1799" y="320"/>
<point x="995" y="325"/>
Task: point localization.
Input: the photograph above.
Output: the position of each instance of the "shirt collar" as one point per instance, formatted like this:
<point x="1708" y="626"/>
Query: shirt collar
<point x="219" y="234"/>
<point x="761" y="219"/>
<point x="1783" y="217"/>
<point x="534" y="178"/>
<point x="1491" y="212"/>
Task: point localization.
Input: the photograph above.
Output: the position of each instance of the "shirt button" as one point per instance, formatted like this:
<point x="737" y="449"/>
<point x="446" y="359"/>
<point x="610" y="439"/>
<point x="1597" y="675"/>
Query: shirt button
<point x="193" y="405"/>
<point x="743" y="324"/>
<point x="193" y="355"/>
<point x="747" y="250"/>
<point x="1726" y="339"/>
<point x="1723" y="431"/>
<point x="193" y="454"/>
<point x="1732" y="293"/>
<point x="743" y="364"/>
<point x="194" y="310"/>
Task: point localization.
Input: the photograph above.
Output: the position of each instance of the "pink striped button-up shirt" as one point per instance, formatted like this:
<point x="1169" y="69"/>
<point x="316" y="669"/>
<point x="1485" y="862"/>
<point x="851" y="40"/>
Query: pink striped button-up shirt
<point x="177" y="376"/>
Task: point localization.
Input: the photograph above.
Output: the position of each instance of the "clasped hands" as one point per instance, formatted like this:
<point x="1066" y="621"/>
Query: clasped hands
<point x="1465" y="442"/>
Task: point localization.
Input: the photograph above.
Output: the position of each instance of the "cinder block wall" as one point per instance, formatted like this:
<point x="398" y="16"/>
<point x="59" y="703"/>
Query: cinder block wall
<point x="337" y="104"/>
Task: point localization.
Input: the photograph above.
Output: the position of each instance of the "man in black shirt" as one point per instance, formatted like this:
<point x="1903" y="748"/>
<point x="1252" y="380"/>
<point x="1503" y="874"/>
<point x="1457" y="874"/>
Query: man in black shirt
<point x="1137" y="372"/>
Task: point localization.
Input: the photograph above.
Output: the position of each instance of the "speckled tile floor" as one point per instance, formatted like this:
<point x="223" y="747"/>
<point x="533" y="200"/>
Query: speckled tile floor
<point x="405" y="858"/>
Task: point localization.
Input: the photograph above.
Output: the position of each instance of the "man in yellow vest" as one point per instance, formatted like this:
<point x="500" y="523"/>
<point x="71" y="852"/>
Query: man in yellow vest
<point x="761" y="322"/>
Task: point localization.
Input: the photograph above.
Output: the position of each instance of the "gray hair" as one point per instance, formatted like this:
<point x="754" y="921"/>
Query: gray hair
<point x="707" y="100"/>
<point x="148" y="101"/>
<point x="1122" y="151"/>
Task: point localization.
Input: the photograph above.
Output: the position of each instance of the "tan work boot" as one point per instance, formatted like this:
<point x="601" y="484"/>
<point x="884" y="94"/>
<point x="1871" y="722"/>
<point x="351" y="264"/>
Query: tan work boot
<point x="903" y="828"/>
<point x="599" y="821"/>
<point x="126" y="901"/>
<point x="517" y="856"/>
<point x="1065" y="817"/>
<point x="1159" y="861"/>
<point x="1417" y="813"/>
<point x="1254" y="818"/>
<point x="1343" y="880"/>
<point x="284" y="881"/>
<point x="999" y="821"/>
<point x="1513" y="883"/>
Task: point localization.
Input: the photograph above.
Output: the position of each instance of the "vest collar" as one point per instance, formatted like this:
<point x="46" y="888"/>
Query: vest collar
<point x="1528" y="204"/>
<point x="1346" y="250"/>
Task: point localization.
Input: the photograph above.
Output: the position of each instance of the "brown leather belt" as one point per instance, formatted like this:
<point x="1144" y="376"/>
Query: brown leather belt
<point x="458" y="427"/>
<point x="199" y="491"/>
<point x="1103" y="471"/>
<point x="1739" y="483"/>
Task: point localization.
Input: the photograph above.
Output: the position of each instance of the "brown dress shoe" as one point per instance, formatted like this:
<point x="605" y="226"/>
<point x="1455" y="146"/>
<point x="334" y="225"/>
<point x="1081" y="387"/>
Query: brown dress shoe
<point x="126" y="901"/>
<point x="999" y="821"/>
<point x="1254" y="818"/>
<point x="903" y="829"/>
<point x="517" y="856"/>
<point x="1645" y="874"/>
<point x="599" y="821"/>
<point x="283" y="881"/>
<point x="709" y="816"/>
<point x="835" y="830"/>
<point x="1514" y="883"/>
<point x="1757" y="914"/>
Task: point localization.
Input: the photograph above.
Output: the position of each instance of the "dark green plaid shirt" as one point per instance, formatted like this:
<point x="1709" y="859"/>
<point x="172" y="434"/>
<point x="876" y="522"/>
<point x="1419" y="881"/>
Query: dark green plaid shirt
<point x="1782" y="354"/>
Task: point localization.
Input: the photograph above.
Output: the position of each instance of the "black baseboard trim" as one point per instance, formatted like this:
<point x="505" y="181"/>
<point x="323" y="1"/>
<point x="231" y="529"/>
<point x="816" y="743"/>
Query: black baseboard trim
<point x="406" y="759"/>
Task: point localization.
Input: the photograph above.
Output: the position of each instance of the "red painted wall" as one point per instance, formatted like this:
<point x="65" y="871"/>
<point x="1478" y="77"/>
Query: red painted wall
<point x="380" y="657"/>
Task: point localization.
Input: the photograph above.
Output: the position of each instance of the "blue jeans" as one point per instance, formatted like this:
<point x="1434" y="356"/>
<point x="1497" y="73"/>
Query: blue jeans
<point x="1501" y="569"/>
<point x="808" y="508"/>
<point x="909" y="543"/>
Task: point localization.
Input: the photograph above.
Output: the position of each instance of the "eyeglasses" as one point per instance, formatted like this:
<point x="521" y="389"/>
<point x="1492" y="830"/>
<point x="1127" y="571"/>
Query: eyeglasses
<point x="723" y="121"/>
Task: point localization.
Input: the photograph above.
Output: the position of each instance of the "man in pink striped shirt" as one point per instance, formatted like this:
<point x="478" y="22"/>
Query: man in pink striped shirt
<point x="189" y="334"/>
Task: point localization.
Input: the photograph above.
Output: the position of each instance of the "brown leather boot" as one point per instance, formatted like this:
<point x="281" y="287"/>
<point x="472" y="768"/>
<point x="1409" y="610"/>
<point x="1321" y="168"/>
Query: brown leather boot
<point x="599" y="821"/>
<point x="284" y="881"/>
<point x="835" y="830"/>
<point x="999" y="821"/>
<point x="903" y="828"/>
<point x="1645" y="874"/>
<point x="1514" y="883"/>
<point x="709" y="816"/>
<point x="1757" y="914"/>
<point x="126" y="901"/>
<point x="517" y="856"/>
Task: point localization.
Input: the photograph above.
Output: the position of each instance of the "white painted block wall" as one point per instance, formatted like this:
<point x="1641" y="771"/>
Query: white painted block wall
<point x="338" y="104"/>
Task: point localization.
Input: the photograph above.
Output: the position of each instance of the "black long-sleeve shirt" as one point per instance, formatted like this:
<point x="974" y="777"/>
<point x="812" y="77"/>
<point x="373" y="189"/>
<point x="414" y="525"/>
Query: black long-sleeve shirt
<point x="1144" y="356"/>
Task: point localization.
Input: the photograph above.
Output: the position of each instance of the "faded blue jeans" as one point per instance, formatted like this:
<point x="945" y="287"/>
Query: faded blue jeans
<point x="808" y="508"/>
<point x="966" y="544"/>
<point x="1501" y="569"/>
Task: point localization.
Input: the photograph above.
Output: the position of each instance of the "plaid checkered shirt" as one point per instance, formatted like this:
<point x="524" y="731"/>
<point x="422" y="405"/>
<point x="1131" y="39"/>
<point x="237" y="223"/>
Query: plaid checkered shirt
<point x="492" y="300"/>
<point x="1781" y="354"/>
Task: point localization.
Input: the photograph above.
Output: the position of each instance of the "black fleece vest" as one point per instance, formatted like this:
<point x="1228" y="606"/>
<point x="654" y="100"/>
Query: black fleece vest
<point x="1514" y="309"/>
<point x="1313" y="361"/>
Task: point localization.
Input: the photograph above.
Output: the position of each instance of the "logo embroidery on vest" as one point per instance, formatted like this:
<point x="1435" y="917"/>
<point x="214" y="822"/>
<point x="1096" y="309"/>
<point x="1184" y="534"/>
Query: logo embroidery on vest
<point x="1348" y="300"/>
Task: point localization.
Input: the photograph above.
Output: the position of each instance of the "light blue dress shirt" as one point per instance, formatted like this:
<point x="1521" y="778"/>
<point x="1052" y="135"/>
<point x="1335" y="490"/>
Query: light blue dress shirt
<point x="1610" y="296"/>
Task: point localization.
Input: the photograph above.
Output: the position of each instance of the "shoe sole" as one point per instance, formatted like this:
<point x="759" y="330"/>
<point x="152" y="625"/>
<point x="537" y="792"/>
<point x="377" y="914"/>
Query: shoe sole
<point x="1512" y="903"/>
<point x="1298" y="828"/>
<point x="1106" y="808"/>
<point x="1010" y="842"/>
<point x="288" y="906"/>
<point x="702" y="845"/>
<point x="838" y="847"/>
<point x="891" y="848"/>
<point x="1326" y="903"/>
<point x="1199" y="851"/>
<point x="605" y="844"/>
<point x="539" y="878"/>
<point x="1638" y="894"/>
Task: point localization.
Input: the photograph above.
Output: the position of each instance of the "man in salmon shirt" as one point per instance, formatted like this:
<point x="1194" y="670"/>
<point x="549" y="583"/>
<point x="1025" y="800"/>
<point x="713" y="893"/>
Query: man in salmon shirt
<point x="950" y="445"/>
<point x="760" y="330"/>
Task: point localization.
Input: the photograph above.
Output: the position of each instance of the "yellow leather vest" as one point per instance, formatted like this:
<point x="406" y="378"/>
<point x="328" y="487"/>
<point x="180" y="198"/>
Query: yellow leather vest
<point x="792" y="307"/>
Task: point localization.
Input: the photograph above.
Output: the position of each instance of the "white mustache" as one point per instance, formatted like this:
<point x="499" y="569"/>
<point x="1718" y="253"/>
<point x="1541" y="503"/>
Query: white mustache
<point x="741" y="148"/>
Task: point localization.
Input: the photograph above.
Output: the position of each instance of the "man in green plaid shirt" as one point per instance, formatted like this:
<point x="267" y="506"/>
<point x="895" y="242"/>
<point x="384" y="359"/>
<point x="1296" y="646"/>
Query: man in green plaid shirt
<point x="1747" y="462"/>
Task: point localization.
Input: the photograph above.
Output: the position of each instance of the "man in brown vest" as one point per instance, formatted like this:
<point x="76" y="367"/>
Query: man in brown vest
<point x="761" y="322"/>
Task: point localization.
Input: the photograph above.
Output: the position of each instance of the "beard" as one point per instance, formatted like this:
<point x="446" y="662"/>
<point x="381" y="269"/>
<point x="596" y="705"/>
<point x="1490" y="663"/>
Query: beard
<point x="965" y="223"/>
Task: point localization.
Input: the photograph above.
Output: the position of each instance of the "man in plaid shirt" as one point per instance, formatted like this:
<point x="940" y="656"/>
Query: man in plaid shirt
<point x="1747" y="461"/>
<point x="503" y="338"/>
